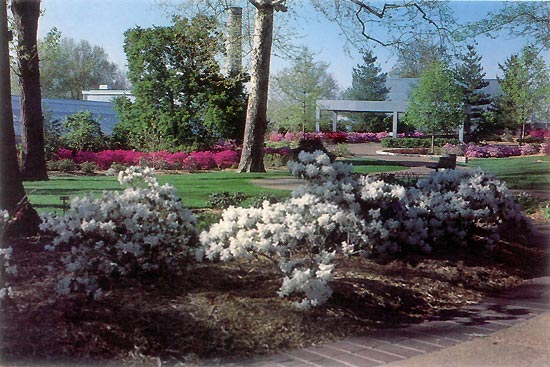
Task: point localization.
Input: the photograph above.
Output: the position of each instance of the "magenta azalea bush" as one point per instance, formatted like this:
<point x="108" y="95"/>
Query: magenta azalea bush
<point x="161" y="160"/>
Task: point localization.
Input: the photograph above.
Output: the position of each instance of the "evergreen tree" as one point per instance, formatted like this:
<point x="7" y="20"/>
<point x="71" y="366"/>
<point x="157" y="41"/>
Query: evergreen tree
<point x="470" y="76"/>
<point x="368" y="84"/>
<point x="526" y="86"/>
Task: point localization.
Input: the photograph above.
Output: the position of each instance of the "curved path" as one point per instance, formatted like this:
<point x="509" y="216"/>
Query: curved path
<point x="512" y="330"/>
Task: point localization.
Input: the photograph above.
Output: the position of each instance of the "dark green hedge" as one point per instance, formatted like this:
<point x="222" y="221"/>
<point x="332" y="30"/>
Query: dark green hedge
<point x="416" y="142"/>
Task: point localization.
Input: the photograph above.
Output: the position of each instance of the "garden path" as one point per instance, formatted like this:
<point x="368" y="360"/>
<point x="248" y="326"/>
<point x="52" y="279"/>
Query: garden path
<point x="512" y="330"/>
<point x="416" y="164"/>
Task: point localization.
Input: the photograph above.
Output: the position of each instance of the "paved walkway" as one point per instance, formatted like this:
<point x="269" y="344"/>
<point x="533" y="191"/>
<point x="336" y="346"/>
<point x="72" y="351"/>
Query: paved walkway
<point x="512" y="330"/>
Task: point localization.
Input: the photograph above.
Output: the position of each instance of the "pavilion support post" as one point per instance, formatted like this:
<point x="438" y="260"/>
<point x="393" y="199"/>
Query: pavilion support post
<point x="394" y="127"/>
<point x="334" y="121"/>
<point x="317" y="120"/>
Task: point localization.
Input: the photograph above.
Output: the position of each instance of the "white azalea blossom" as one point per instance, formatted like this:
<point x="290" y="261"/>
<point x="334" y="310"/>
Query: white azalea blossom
<point x="143" y="228"/>
<point x="368" y="215"/>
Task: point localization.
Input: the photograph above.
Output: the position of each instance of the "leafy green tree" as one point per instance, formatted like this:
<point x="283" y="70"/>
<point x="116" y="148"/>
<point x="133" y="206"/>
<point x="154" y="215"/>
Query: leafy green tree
<point x="83" y="132"/>
<point x="53" y="136"/>
<point x="368" y="84"/>
<point x="526" y="87"/>
<point x="68" y="67"/>
<point x="436" y="105"/>
<point x="182" y="99"/>
<point x="470" y="76"/>
<point x="296" y="90"/>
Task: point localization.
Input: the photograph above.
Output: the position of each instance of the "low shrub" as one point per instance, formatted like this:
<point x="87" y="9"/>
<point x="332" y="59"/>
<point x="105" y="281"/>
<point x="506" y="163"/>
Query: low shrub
<point x="88" y="167"/>
<point x="223" y="200"/>
<point x="62" y="165"/>
<point x="416" y="142"/>
<point x="142" y="230"/>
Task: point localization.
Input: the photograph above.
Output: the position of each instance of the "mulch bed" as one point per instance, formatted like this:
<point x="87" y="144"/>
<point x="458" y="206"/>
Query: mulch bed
<point x="224" y="312"/>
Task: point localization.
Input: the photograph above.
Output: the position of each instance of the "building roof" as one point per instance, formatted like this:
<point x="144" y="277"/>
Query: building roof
<point x="400" y="88"/>
<point x="59" y="109"/>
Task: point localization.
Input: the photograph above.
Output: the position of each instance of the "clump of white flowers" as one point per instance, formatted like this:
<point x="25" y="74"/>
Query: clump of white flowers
<point x="143" y="229"/>
<point x="302" y="234"/>
<point x="338" y="212"/>
<point x="6" y="269"/>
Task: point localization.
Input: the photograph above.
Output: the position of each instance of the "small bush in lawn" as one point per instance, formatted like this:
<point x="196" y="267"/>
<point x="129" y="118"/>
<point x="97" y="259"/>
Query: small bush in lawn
<point x="62" y="165"/>
<point x="88" y="167"/>
<point x="223" y="200"/>
<point x="142" y="230"/>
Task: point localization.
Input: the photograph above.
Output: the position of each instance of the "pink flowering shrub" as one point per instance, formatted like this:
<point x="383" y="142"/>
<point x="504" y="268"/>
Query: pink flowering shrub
<point x="200" y="161"/>
<point x="539" y="133"/>
<point x="226" y="159"/>
<point x="545" y="148"/>
<point x="528" y="149"/>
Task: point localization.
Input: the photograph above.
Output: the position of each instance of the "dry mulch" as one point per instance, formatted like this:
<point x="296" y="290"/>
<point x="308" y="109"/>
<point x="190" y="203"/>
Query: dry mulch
<point x="224" y="312"/>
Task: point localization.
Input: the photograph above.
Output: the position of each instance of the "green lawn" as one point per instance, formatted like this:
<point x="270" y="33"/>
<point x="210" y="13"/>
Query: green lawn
<point x="365" y="165"/>
<point x="194" y="189"/>
<point x="522" y="173"/>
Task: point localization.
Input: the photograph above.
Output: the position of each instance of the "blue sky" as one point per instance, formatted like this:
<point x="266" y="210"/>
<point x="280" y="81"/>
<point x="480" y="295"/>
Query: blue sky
<point x="103" y="23"/>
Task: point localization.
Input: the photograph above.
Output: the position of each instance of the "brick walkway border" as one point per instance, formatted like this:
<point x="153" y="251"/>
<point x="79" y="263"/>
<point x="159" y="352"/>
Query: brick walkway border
<point x="450" y="328"/>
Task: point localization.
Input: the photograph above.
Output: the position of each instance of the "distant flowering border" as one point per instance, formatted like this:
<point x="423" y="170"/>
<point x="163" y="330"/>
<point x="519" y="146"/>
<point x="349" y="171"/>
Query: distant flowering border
<point x="337" y="137"/>
<point x="496" y="150"/>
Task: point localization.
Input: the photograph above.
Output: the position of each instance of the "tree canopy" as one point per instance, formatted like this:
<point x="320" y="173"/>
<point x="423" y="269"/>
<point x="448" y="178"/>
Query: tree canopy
<point x="437" y="104"/>
<point x="526" y="87"/>
<point x="182" y="99"/>
<point x="296" y="90"/>
<point x="69" y="67"/>
<point x="368" y="84"/>
<point x="471" y="78"/>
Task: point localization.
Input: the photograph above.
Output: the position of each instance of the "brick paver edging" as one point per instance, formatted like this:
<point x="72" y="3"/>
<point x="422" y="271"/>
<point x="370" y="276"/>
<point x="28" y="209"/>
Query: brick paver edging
<point x="390" y="345"/>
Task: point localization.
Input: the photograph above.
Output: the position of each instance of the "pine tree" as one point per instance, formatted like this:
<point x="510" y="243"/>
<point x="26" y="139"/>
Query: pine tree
<point x="368" y="84"/>
<point x="470" y="76"/>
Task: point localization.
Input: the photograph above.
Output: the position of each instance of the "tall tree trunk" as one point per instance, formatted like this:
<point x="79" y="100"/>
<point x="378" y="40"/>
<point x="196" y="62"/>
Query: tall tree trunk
<point x="12" y="193"/>
<point x="26" y="14"/>
<point x="252" y="157"/>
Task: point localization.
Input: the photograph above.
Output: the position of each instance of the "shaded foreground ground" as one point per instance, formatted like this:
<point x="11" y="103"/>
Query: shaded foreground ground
<point x="226" y="312"/>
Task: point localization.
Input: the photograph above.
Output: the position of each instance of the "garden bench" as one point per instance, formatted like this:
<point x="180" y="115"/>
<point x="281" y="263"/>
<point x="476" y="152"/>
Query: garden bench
<point x="444" y="162"/>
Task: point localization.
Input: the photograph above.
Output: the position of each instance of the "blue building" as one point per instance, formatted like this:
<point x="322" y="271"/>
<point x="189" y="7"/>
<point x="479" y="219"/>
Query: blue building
<point x="59" y="109"/>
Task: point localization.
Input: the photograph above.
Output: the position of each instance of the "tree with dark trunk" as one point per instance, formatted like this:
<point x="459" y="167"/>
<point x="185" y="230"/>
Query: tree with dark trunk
<point x="252" y="157"/>
<point x="12" y="193"/>
<point x="26" y="14"/>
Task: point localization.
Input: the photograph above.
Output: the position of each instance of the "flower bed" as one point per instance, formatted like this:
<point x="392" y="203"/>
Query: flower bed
<point x="338" y="137"/>
<point x="496" y="150"/>
<point x="215" y="158"/>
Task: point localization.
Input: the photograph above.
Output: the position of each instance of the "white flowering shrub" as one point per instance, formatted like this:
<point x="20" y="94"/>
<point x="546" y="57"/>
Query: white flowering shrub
<point x="143" y="229"/>
<point x="336" y="211"/>
<point x="301" y="234"/>
<point x="6" y="269"/>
